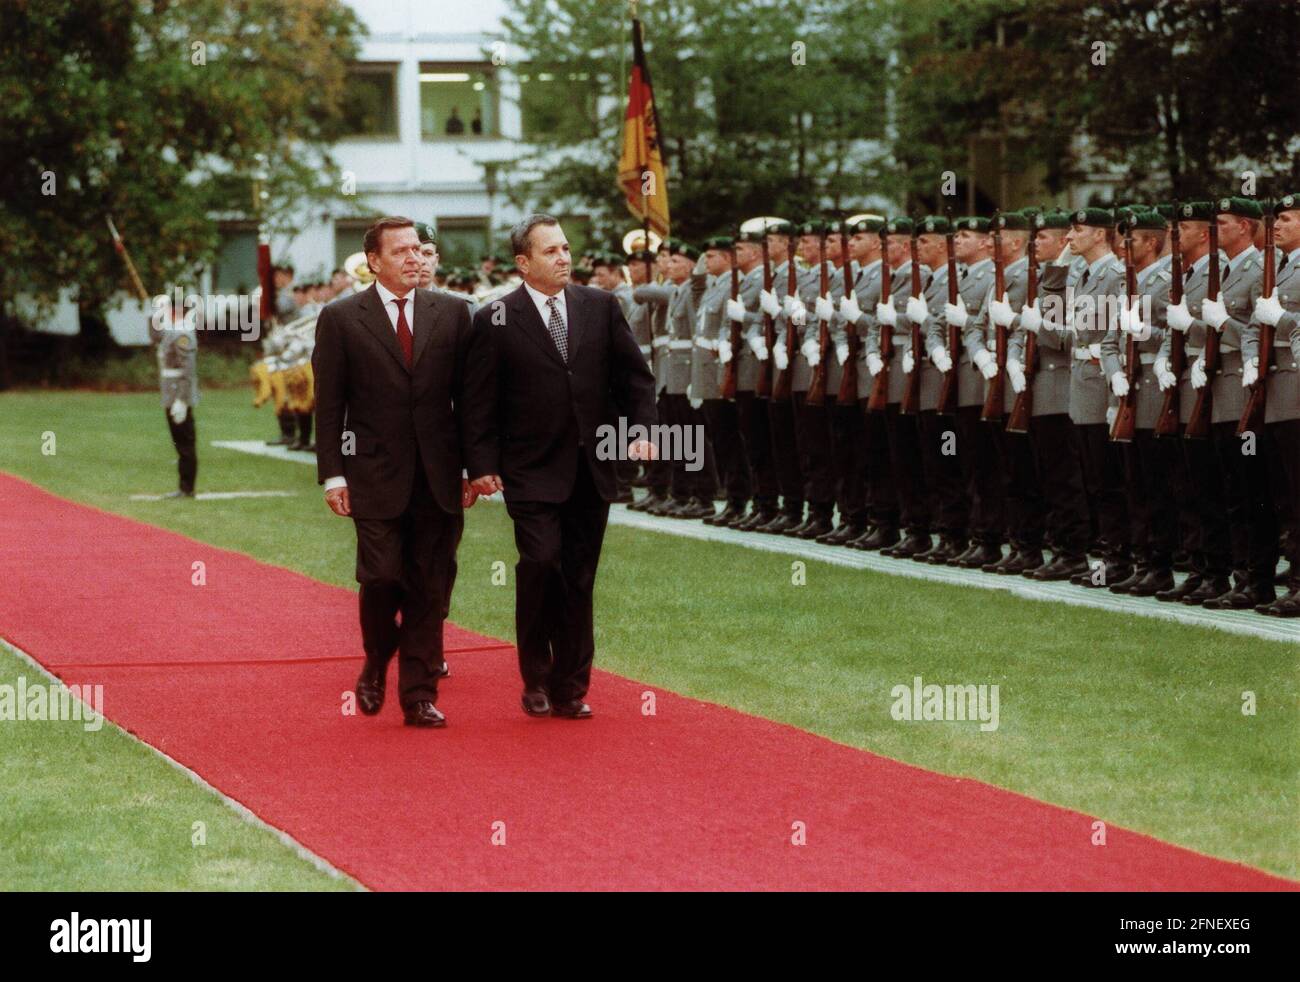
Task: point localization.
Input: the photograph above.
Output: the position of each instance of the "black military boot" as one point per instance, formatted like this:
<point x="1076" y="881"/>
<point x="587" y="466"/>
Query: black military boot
<point x="1157" y="580"/>
<point x="287" y="434"/>
<point x="1127" y="584"/>
<point x="1175" y="594"/>
<point x="876" y="539"/>
<point x="734" y="511"/>
<point x="819" y="523"/>
<point x="914" y="543"/>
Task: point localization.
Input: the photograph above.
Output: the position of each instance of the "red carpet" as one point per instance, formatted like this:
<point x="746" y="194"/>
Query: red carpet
<point x="241" y="680"/>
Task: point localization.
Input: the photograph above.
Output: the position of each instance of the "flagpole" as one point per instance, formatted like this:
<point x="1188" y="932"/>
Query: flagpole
<point x="645" y="205"/>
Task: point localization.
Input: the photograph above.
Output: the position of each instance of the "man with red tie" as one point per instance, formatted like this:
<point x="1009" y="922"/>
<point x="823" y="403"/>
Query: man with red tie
<point x="402" y="407"/>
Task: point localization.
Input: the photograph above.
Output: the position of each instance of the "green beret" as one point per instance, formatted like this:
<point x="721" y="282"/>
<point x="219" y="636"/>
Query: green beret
<point x="754" y="235"/>
<point x="782" y="228"/>
<point x="813" y="226"/>
<point x="719" y="242"/>
<point x="641" y="255"/>
<point x="933" y="224"/>
<point x="971" y="223"/>
<point x="863" y="225"/>
<point x="1241" y="207"/>
<point x="1011" y="221"/>
<point x="1054" y="219"/>
<point x="426" y="233"/>
<point x="1165" y="211"/>
<point x="1288" y="202"/>
<point x="1093" y="217"/>
<point x="1149" y="219"/>
<point x="1196" y="211"/>
<point x="606" y="259"/>
<point x="681" y="248"/>
<point x="899" y="226"/>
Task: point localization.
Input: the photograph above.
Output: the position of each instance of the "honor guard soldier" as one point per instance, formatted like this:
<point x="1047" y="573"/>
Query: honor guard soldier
<point x="175" y="332"/>
<point x="654" y="295"/>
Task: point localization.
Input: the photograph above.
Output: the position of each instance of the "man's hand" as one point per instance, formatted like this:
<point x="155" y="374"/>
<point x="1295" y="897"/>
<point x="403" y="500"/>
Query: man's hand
<point x="758" y="345"/>
<point x="1199" y="377"/>
<point x="177" y="411"/>
<point x="825" y="308"/>
<point x="1268" y="310"/>
<point x="887" y="313"/>
<point x="908" y="362"/>
<point x="1214" y="312"/>
<point x="849" y="309"/>
<point x="487" y="484"/>
<point x="768" y="302"/>
<point x="339" y="502"/>
<point x="1178" y="316"/>
<point x="1250" y="373"/>
<point x="467" y="494"/>
<point x="987" y="364"/>
<point x="1119" y="384"/>
<point x="642" y="450"/>
<point x="1000" y="312"/>
<point x="917" y="311"/>
<point x="1164" y="377"/>
<point x="735" y="310"/>
<point x="941" y="360"/>
<point x="874" y="363"/>
<point x="956" y="312"/>
<point x="1031" y="318"/>
<point x="1016" y="373"/>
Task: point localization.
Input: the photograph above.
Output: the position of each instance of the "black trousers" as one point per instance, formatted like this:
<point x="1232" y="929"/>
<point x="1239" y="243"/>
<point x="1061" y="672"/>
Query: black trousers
<point x="700" y="483"/>
<point x="904" y="435"/>
<point x="660" y="472"/>
<point x="1178" y="497"/>
<point x="849" y="439"/>
<point x="1060" y="475"/>
<point x="756" y="432"/>
<point x="1284" y="477"/>
<point x="1248" y="503"/>
<point x="881" y="495"/>
<point x="187" y="458"/>
<point x="1024" y="508"/>
<point x="981" y="476"/>
<point x="1103" y="479"/>
<point x="1153" y="521"/>
<point x="559" y="549"/>
<point x="722" y="419"/>
<point x="407" y="564"/>
<point x="785" y="454"/>
<point x="940" y="452"/>
<point x="1205" y="492"/>
<point x="816" y="447"/>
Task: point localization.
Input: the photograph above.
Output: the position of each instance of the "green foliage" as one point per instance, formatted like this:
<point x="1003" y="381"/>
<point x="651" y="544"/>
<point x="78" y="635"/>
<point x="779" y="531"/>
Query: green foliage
<point x="107" y="99"/>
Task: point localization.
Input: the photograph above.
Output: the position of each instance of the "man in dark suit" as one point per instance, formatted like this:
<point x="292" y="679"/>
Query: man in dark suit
<point x="567" y="372"/>
<point x="403" y="403"/>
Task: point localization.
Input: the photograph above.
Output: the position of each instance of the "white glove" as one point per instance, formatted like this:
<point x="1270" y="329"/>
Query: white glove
<point x="780" y="356"/>
<point x="908" y="362"/>
<point x="941" y="360"/>
<point x="1199" y="378"/>
<point x="788" y="303"/>
<point x="1031" y="318"/>
<point x="177" y="411"/>
<point x="825" y="308"/>
<point x="798" y="313"/>
<point x="1000" y="312"/>
<point x="1111" y="413"/>
<point x="989" y="369"/>
<point x="1250" y="373"/>
<point x="849" y="309"/>
<point x="1119" y="384"/>
<point x="917" y="311"/>
<point x="1016" y="372"/>
<point x="1137" y="327"/>
<point x="724" y="351"/>
<point x="1214" y="313"/>
<point x="1178" y="316"/>
<point x="1268" y="310"/>
<point x="982" y="358"/>
<point x="887" y="313"/>
<point x="811" y="352"/>
<point x="768" y="303"/>
<point x="841" y="353"/>
<point x="735" y="310"/>
<point x="1164" y="377"/>
<point x="757" y="346"/>
<point x="956" y="312"/>
<point x="875" y="363"/>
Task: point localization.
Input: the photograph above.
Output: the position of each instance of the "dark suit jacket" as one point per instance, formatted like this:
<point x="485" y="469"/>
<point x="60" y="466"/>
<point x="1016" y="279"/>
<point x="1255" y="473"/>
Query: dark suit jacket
<point x="545" y="409"/>
<point x="441" y="406"/>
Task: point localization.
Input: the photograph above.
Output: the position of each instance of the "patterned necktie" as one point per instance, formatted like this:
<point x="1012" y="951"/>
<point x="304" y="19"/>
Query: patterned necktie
<point x="404" y="332"/>
<point x="559" y="333"/>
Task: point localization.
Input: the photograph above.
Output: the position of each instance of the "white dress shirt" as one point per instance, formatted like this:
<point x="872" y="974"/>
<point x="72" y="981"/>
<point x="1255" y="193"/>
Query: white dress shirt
<point x="543" y="307"/>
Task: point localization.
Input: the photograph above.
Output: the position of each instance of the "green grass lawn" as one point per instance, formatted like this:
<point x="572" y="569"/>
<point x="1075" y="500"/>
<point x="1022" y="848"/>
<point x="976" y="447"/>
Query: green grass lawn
<point x="1134" y="720"/>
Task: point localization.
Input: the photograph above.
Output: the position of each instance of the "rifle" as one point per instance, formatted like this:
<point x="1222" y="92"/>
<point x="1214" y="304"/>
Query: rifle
<point x="731" y="371"/>
<point x="911" y="403"/>
<point x="817" y="387"/>
<point x="1252" y="417"/>
<point x="1023" y="408"/>
<point x="763" y="386"/>
<point x="1125" y="425"/>
<point x="849" y="380"/>
<point x="879" y="397"/>
<point x="995" y="395"/>
<point x="948" y="389"/>
<point x="120" y="246"/>
<point x="782" y="386"/>
<point x="1198" y="424"/>
<point x="1167" y="421"/>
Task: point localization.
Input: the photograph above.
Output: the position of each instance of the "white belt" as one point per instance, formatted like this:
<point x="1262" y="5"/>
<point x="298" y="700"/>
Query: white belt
<point x="1083" y="354"/>
<point x="680" y="345"/>
<point x="1189" y="350"/>
<point x="706" y="344"/>
<point x="901" y="339"/>
<point x="660" y="341"/>
<point x="173" y="373"/>
<point x="1228" y="347"/>
<point x="1147" y="358"/>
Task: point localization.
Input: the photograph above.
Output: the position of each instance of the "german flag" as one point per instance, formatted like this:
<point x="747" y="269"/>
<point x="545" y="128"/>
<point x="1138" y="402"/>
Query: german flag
<point x="641" y="167"/>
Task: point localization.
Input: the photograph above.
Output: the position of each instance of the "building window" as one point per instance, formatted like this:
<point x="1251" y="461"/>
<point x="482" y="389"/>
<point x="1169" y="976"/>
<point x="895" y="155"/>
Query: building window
<point x="348" y="236"/>
<point x="457" y="102"/>
<point x="558" y="105"/>
<point x="370" y="101"/>
<point x="462" y="242"/>
<point x="235" y="268"/>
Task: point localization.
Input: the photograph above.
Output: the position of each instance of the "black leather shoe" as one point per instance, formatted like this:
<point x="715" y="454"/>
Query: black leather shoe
<point x="946" y="550"/>
<point x="370" y="689"/>
<point x="1155" y="582"/>
<point x="957" y="560"/>
<point x="878" y="538"/>
<point x="979" y="556"/>
<point x="1244" y="598"/>
<point x="536" y="702"/>
<point x="1175" y="594"/>
<point x="912" y="544"/>
<point x="820" y="525"/>
<point x="1111" y="573"/>
<point x="1060" y="568"/>
<point x="571" y="710"/>
<point x="780" y="524"/>
<point x="665" y="508"/>
<point x="646" y="503"/>
<point x="1208" y="590"/>
<point x="841" y="535"/>
<point x="1127" y="584"/>
<point x="696" y="508"/>
<point x="423" y="713"/>
<point x="797" y="529"/>
<point x="733" y="512"/>
<point x="1013" y="563"/>
<point x="754" y="520"/>
<point x="1288" y="606"/>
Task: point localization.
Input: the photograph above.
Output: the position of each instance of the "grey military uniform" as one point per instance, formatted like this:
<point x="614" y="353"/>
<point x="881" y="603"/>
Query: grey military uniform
<point x="656" y="299"/>
<point x="1153" y="282"/>
<point x="981" y="333"/>
<point x="1283" y="400"/>
<point x="710" y="315"/>
<point x="751" y="286"/>
<point x="1098" y="289"/>
<point x="974" y="287"/>
<point x="810" y="280"/>
<point x="1051" y="381"/>
<point x="934" y="334"/>
<point x="638" y="316"/>
<point x="681" y="333"/>
<point x="1241" y="288"/>
<point x="866" y="290"/>
<point x="901" y="338"/>
<point x="177" y="352"/>
<point x="1195" y="285"/>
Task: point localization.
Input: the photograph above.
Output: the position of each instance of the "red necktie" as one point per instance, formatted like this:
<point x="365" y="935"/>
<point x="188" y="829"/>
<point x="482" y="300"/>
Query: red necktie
<point x="404" y="332"/>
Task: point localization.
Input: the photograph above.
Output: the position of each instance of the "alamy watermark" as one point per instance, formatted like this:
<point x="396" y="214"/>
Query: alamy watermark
<point x="229" y="312"/>
<point x="919" y="702"/>
<point x="672" y="441"/>
<point x="37" y="701"/>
